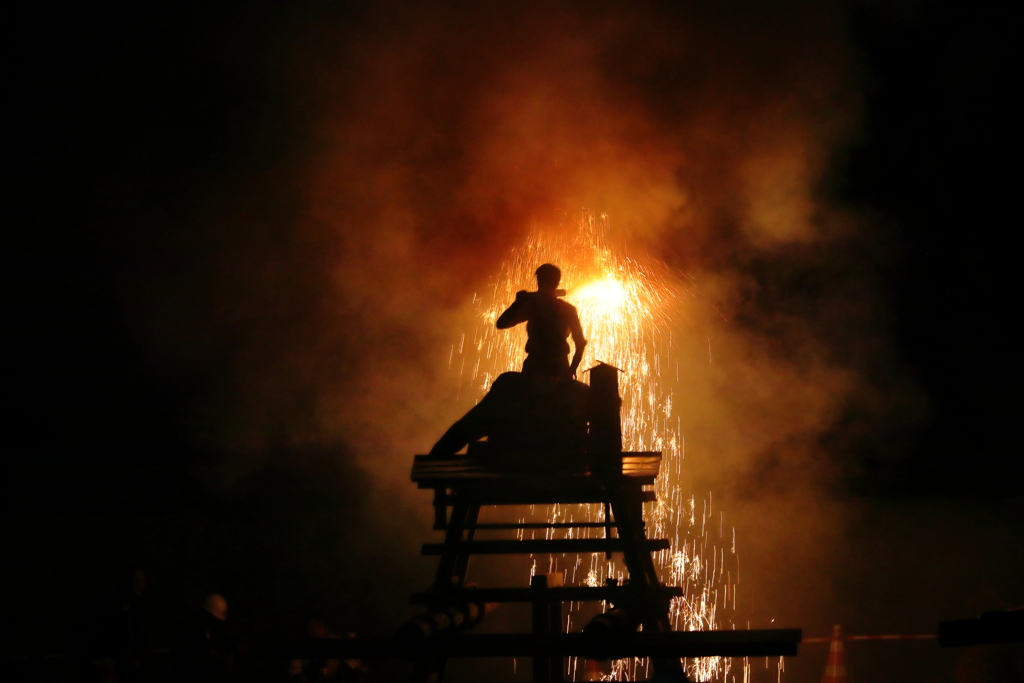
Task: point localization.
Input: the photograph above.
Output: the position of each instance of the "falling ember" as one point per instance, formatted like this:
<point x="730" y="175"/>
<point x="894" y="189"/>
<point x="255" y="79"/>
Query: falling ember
<point x="629" y="312"/>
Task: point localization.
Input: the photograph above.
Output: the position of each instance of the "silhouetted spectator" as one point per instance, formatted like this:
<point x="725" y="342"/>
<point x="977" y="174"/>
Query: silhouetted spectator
<point x="201" y="649"/>
<point x="323" y="670"/>
<point x="122" y="633"/>
<point x="353" y="670"/>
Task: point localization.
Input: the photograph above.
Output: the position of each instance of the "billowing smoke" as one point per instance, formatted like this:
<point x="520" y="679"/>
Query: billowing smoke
<point x="247" y="236"/>
<point x="433" y="136"/>
<point x="436" y="136"/>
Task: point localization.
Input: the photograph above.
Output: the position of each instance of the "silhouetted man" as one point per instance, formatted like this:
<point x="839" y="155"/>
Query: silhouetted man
<point x="125" y="629"/>
<point x="549" y="322"/>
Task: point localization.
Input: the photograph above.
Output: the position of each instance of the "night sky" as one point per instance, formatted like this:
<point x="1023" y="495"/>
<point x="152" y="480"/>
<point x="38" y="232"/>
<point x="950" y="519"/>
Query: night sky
<point x="242" y="234"/>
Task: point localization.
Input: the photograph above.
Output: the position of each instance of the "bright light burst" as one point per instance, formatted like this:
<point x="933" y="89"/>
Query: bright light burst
<point x="628" y="308"/>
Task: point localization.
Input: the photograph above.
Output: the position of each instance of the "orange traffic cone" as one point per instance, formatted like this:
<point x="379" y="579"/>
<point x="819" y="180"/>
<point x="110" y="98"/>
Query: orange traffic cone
<point x="835" y="668"/>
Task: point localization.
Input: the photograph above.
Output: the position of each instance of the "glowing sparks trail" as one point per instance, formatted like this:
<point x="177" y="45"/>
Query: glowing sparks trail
<point x="627" y="309"/>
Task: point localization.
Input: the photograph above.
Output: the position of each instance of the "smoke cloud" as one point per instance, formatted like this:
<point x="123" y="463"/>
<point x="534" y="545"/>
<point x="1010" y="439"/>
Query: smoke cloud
<point x="436" y="136"/>
<point x="424" y="142"/>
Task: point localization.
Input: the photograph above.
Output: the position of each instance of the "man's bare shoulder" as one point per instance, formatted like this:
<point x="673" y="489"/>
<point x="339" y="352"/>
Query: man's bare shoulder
<point x="565" y="307"/>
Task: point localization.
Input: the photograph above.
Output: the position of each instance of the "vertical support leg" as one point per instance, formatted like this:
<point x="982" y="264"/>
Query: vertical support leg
<point x="607" y="526"/>
<point x="541" y="628"/>
<point x="462" y="560"/>
<point x="629" y="520"/>
<point x="555" y="662"/>
<point x="628" y="507"/>
<point x="451" y="573"/>
<point x="547" y="621"/>
<point x="449" y="562"/>
<point x="440" y="509"/>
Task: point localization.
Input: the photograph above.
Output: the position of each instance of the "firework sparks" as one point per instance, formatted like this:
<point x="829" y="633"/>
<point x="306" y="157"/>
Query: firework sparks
<point x="628" y="310"/>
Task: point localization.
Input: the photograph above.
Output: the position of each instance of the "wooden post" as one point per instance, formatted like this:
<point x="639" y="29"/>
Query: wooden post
<point x="547" y="619"/>
<point x="541" y="626"/>
<point x="605" y="425"/>
<point x="556" y="580"/>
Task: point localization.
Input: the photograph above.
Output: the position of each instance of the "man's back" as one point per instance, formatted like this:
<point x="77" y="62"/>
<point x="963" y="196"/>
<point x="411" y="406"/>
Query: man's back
<point x="549" y="322"/>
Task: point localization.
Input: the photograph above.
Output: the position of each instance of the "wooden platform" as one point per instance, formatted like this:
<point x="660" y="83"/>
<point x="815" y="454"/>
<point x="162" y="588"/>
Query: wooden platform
<point x="429" y="471"/>
<point x="542" y="546"/>
<point x="560" y="478"/>
<point x="618" y="481"/>
<point x="621" y="483"/>
<point x="752" y="643"/>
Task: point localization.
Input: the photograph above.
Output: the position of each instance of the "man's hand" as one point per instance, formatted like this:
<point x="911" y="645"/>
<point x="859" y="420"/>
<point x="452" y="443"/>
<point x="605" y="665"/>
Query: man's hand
<point x="517" y="313"/>
<point x="580" y="343"/>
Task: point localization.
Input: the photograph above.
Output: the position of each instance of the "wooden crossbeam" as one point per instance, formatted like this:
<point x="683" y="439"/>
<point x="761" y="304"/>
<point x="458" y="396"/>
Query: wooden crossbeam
<point x="428" y="469"/>
<point x="541" y="525"/>
<point x="528" y="494"/>
<point x="767" y="643"/>
<point x="563" y="594"/>
<point x="620" y="482"/>
<point x="754" y="643"/>
<point x="544" y="546"/>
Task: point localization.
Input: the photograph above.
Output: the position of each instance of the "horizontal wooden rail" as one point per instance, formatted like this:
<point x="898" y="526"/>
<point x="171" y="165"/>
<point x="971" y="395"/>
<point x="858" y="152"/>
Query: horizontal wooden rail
<point x="563" y="593"/>
<point x="512" y="493"/>
<point x="759" y="643"/>
<point x="541" y="525"/>
<point x="539" y="546"/>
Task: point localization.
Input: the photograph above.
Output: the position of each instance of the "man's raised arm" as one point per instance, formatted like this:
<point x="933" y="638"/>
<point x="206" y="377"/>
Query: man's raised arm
<point x="517" y="313"/>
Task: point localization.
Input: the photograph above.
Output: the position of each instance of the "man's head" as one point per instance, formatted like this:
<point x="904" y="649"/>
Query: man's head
<point x="217" y="606"/>
<point x="548" y="277"/>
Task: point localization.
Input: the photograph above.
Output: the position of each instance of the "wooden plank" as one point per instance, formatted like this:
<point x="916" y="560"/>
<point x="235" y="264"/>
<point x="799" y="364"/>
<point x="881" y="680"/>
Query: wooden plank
<point x="419" y="473"/>
<point x="756" y="643"/>
<point x="527" y="495"/>
<point x="564" y="594"/>
<point x="456" y="466"/>
<point x="542" y="525"/>
<point x="568" y="455"/>
<point x="431" y="472"/>
<point x="463" y="470"/>
<point x="630" y="464"/>
<point x="543" y="546"/>
<point x="530" y="497"/>
<point x="496" y="484"/>
<point x="459" y="466"/>
<point x="773" y="643"/>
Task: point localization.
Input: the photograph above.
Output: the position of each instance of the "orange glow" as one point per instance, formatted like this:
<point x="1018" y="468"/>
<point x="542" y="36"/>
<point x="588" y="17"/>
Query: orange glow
<point x="629" y="311"/>
<point x="606" y="297"/>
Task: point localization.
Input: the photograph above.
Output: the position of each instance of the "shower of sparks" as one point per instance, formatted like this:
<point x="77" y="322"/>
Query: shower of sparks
<point x="628" y="308"/>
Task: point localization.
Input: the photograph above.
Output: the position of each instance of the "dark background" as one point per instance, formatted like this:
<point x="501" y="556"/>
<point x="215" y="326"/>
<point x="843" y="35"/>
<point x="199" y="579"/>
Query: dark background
<point x="129" y="124"/>
<point x="934" y="164"/>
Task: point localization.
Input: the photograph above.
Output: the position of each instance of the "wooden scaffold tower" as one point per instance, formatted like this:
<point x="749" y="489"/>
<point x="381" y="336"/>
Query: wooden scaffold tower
<point x="636" y="622"/>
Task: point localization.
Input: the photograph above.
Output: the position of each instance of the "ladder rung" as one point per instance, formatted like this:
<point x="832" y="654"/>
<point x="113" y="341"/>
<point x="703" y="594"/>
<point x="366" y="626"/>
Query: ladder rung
<point x="765" y="643"/>
<point x="525" y="496"/>
<point x="561" y="593"/>
<point x="537" y="525"/>
<point x="773" y="643"/>
<point x="544" y="546"/>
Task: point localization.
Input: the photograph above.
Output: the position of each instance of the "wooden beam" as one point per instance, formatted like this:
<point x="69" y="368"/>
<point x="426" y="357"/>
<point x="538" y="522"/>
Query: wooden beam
<point x="564" y="594"/>
<point x="756" y="643"/>
<point x="542" y="546"/>
<point x="540" y="525"/>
